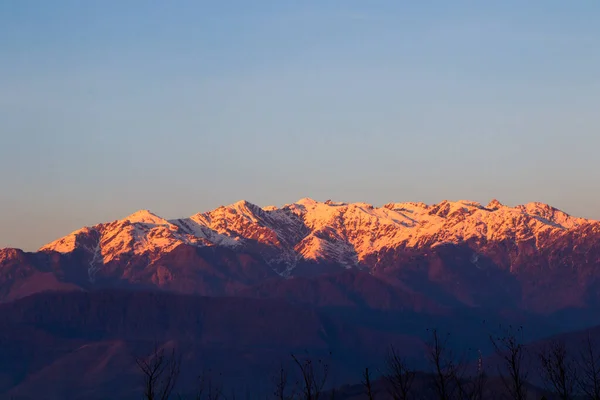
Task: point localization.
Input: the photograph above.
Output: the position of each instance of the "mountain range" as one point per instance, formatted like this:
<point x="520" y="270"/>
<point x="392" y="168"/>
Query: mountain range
<point x="448" y="252"/>
<point x="356" y="276"/>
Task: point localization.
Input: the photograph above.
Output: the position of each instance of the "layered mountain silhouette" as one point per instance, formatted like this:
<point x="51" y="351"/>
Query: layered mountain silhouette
<point x="251" y="284"/>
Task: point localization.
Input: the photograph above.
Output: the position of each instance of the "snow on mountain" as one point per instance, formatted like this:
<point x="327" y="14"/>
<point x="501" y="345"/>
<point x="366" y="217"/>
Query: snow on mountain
<point x="67" y="243"/>
<point x="139" y="233"/>
<point x="145" y="217"/>
<point x="342" y="233"/>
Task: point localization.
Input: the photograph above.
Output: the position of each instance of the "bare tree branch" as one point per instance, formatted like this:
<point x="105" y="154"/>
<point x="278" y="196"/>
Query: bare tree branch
<point x="445" y="369"/>
<point x="558" y="370"/>
<point x="207" y="388"/>
<point x="314" y="376"/>
<point x="160" y="373"/>
<point x="588" y="374"/>
<point x="282" y="390"/>
<point x="512" y="352"/>
<point x="367" y="384"/>
<point x="398" y="376"/>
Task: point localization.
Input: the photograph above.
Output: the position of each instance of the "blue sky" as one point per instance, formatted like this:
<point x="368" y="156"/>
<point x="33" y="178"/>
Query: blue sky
<point x="107" y="107"/>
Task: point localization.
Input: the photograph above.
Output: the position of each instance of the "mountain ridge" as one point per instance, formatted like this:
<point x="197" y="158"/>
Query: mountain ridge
<point x="358" y="276"/>
<point x="450" y="251"/>
<point x="343" y="232"/>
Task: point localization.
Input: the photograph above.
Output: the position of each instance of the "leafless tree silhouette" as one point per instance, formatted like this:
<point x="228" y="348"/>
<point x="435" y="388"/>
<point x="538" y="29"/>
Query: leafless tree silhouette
<point x="558" y="370"/>
<point x="208" y="389"/>
<point x="314" y="377"/>
<point x="398" y="375"/>
<point x="446" y="369"/>
<point x="510" y="349"/>
<point x="450" y="372"/>
<point x="282" y="390"/>
<point x="367" y="384"/>
<point x="160" y="373"/>
<point x="588" y="369"/>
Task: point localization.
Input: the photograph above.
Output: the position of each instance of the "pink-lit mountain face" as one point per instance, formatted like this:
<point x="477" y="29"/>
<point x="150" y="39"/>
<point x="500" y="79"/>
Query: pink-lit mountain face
<point x="452" y="252"/>
<point x="324" y="277"/>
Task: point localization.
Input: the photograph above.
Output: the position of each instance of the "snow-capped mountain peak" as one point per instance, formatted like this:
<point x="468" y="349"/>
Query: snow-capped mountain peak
<point x="145" y="217"/>
<point x="338" y="232"/>
<point x="494" y="205"/>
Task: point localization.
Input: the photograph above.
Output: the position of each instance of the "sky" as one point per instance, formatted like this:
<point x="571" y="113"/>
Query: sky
<point x="107" y="107"/>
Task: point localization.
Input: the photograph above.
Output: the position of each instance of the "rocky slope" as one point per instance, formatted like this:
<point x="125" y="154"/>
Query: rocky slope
<point x="452" y="251"/>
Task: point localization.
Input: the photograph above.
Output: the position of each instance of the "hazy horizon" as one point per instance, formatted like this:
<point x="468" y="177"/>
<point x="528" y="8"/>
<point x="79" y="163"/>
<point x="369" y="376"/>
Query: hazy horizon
<point x="108" y="108"/>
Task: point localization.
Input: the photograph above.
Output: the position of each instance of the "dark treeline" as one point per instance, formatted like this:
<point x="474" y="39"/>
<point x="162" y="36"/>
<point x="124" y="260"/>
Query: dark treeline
<point x="516" y="371"/>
